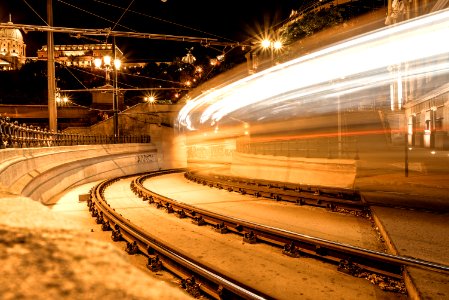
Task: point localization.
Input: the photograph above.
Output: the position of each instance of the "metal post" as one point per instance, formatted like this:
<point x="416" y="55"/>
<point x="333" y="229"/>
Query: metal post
<point x="406" y="152"/>
<point x="339" y="127"/>
<point x="115" y="95"/>
<point x="52" y="111"/>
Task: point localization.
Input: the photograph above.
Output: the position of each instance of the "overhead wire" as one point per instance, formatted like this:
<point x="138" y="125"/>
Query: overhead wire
<point x="35" y="12"/>
<point x="165" y="21"/>
<point x="119" y="72"/>
<point x="124" y="12"/>
<point x="93" y="14"/>
<point x="68" y="70"/>
<point x="152" y="78"/>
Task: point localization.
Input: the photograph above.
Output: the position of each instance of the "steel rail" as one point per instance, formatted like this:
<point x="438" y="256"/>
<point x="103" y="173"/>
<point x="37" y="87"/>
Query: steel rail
<point x="293" y="243"/>
<point x="329" y="197"/>
<point x="195" y="276"/>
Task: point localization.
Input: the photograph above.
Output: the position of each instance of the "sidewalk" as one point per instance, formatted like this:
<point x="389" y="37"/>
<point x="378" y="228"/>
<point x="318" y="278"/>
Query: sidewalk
<point x="417" y="191"/>
<point x="420" y="235"/>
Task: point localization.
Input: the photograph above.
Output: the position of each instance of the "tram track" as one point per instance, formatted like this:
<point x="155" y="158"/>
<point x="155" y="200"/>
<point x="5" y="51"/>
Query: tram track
<point x="195" y="277"/>
<point x="331" y="198"/>
<point x="351" y="260"/>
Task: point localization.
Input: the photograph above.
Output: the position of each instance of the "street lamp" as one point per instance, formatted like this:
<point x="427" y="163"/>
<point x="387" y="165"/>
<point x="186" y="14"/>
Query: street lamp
<point x="150" y="99"/>
<point x="61" y="100"/>
<point x="189" y="58"/>
<point x="106" y="63"/>
<point x="272" y="46"/>
<point x="108" y="67"/>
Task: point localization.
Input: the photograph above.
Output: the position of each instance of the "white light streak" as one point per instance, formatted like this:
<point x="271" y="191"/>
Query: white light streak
<point x="353" y="65"/>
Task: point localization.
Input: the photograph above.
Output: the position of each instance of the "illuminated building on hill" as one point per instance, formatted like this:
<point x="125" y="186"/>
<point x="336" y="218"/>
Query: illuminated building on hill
<point x="79" y="55"/>
<point x="12" y="48"/>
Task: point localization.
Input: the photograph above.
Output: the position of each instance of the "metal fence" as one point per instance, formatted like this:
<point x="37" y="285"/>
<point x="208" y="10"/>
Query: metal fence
<point x="14" y="135"/>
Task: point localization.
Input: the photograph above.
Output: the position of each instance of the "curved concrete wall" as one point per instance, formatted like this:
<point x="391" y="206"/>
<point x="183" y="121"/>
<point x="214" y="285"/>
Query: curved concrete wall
<point x="308" y="171"/>
<point x="42" y="173"/>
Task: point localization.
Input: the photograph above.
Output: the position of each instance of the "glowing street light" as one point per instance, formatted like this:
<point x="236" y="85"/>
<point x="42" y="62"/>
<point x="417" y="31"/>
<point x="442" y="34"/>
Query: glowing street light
<point x="106" y="63"/>
<point x="189" y="58"/>
<point x="61" y="100"/>
<point x="272" y="46"/>
<point x="150" y="99"/>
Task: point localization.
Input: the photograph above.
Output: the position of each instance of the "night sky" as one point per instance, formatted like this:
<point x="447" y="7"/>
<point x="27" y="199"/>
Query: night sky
<point x="228" y="21"/>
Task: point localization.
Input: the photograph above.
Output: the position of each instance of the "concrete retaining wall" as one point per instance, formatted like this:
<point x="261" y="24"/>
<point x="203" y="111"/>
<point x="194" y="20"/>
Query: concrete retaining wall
<point x="308" y="171"/>
<point x="42" y="173"/>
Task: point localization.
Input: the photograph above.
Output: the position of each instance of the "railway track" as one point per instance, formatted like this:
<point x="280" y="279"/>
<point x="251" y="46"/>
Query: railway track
<point x="331" y="198"/>
<point x="198" y="279"/>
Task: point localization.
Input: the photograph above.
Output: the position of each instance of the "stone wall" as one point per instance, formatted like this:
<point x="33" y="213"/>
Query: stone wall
<point x="141" y="119"/>
<point x="42" y="173"/>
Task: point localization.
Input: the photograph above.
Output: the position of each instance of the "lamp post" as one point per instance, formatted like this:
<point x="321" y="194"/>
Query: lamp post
<point x="150" y="99"/>
<point x="61" y="100"/>
<point x="336" y="86"/>
<point x="52" y="111"/>
<point x="110" y="66"/>
<point x="272" y="46"/>
<point x="105" y="62"/>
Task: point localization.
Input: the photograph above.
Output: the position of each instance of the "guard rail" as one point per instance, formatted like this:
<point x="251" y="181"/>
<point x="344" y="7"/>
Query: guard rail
<point x="14" y="135"/>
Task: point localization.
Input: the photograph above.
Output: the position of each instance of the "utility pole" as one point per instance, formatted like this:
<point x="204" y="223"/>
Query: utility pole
<point x="52" y="111"/>
<point x="115" y="94"/>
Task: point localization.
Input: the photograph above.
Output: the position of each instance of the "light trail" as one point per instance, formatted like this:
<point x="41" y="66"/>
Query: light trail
<point x="345" y="70"/>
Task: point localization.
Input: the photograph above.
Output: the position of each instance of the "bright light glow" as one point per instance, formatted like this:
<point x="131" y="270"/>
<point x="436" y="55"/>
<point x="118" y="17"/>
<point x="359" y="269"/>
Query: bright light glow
<point x="107" y="60"/>
<point x="265" y="43"/>
<point x="117" y="64"/>
<point x="62" y="100"/>
<point x="97" y="62"/>
<point x="349" y="68"/>
<point x="150" y="99"/>
<point x="277" y="45"/>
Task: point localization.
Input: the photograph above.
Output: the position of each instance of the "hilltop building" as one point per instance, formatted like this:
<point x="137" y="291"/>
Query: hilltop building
<point x="79" y="55"/>
<point x="12" y="48"/>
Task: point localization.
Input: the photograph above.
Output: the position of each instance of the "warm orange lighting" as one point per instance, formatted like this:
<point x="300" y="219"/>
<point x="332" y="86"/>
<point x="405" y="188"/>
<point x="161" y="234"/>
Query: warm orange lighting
<point x="107" y="60"/>
<point x="277" y="45"/>
<point x="97" y="62"/>
<point x="266" y="43"/>
<point x="117" y="64"/>
<point x="150" y="99"/>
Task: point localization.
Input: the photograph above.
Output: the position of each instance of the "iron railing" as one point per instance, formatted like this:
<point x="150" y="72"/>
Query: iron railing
<point x="13" y="135"/>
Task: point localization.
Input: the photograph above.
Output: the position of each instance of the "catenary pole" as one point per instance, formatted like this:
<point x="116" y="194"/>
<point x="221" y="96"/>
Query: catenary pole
<point x="52" y="111"/>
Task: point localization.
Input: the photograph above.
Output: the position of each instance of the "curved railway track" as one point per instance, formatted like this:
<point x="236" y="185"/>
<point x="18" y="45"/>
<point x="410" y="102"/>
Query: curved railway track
<point x="332" y="198"/>
<point x="198" y="279"/>
<point x="195" y="277"/>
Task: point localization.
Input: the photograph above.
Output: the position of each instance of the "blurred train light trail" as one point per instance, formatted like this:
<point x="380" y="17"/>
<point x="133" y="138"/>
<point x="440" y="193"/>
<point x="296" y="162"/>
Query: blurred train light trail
<point x="348" y="68"/>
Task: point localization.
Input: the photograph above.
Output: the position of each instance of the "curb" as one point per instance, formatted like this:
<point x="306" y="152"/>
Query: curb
<point x="412" y="290"/>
